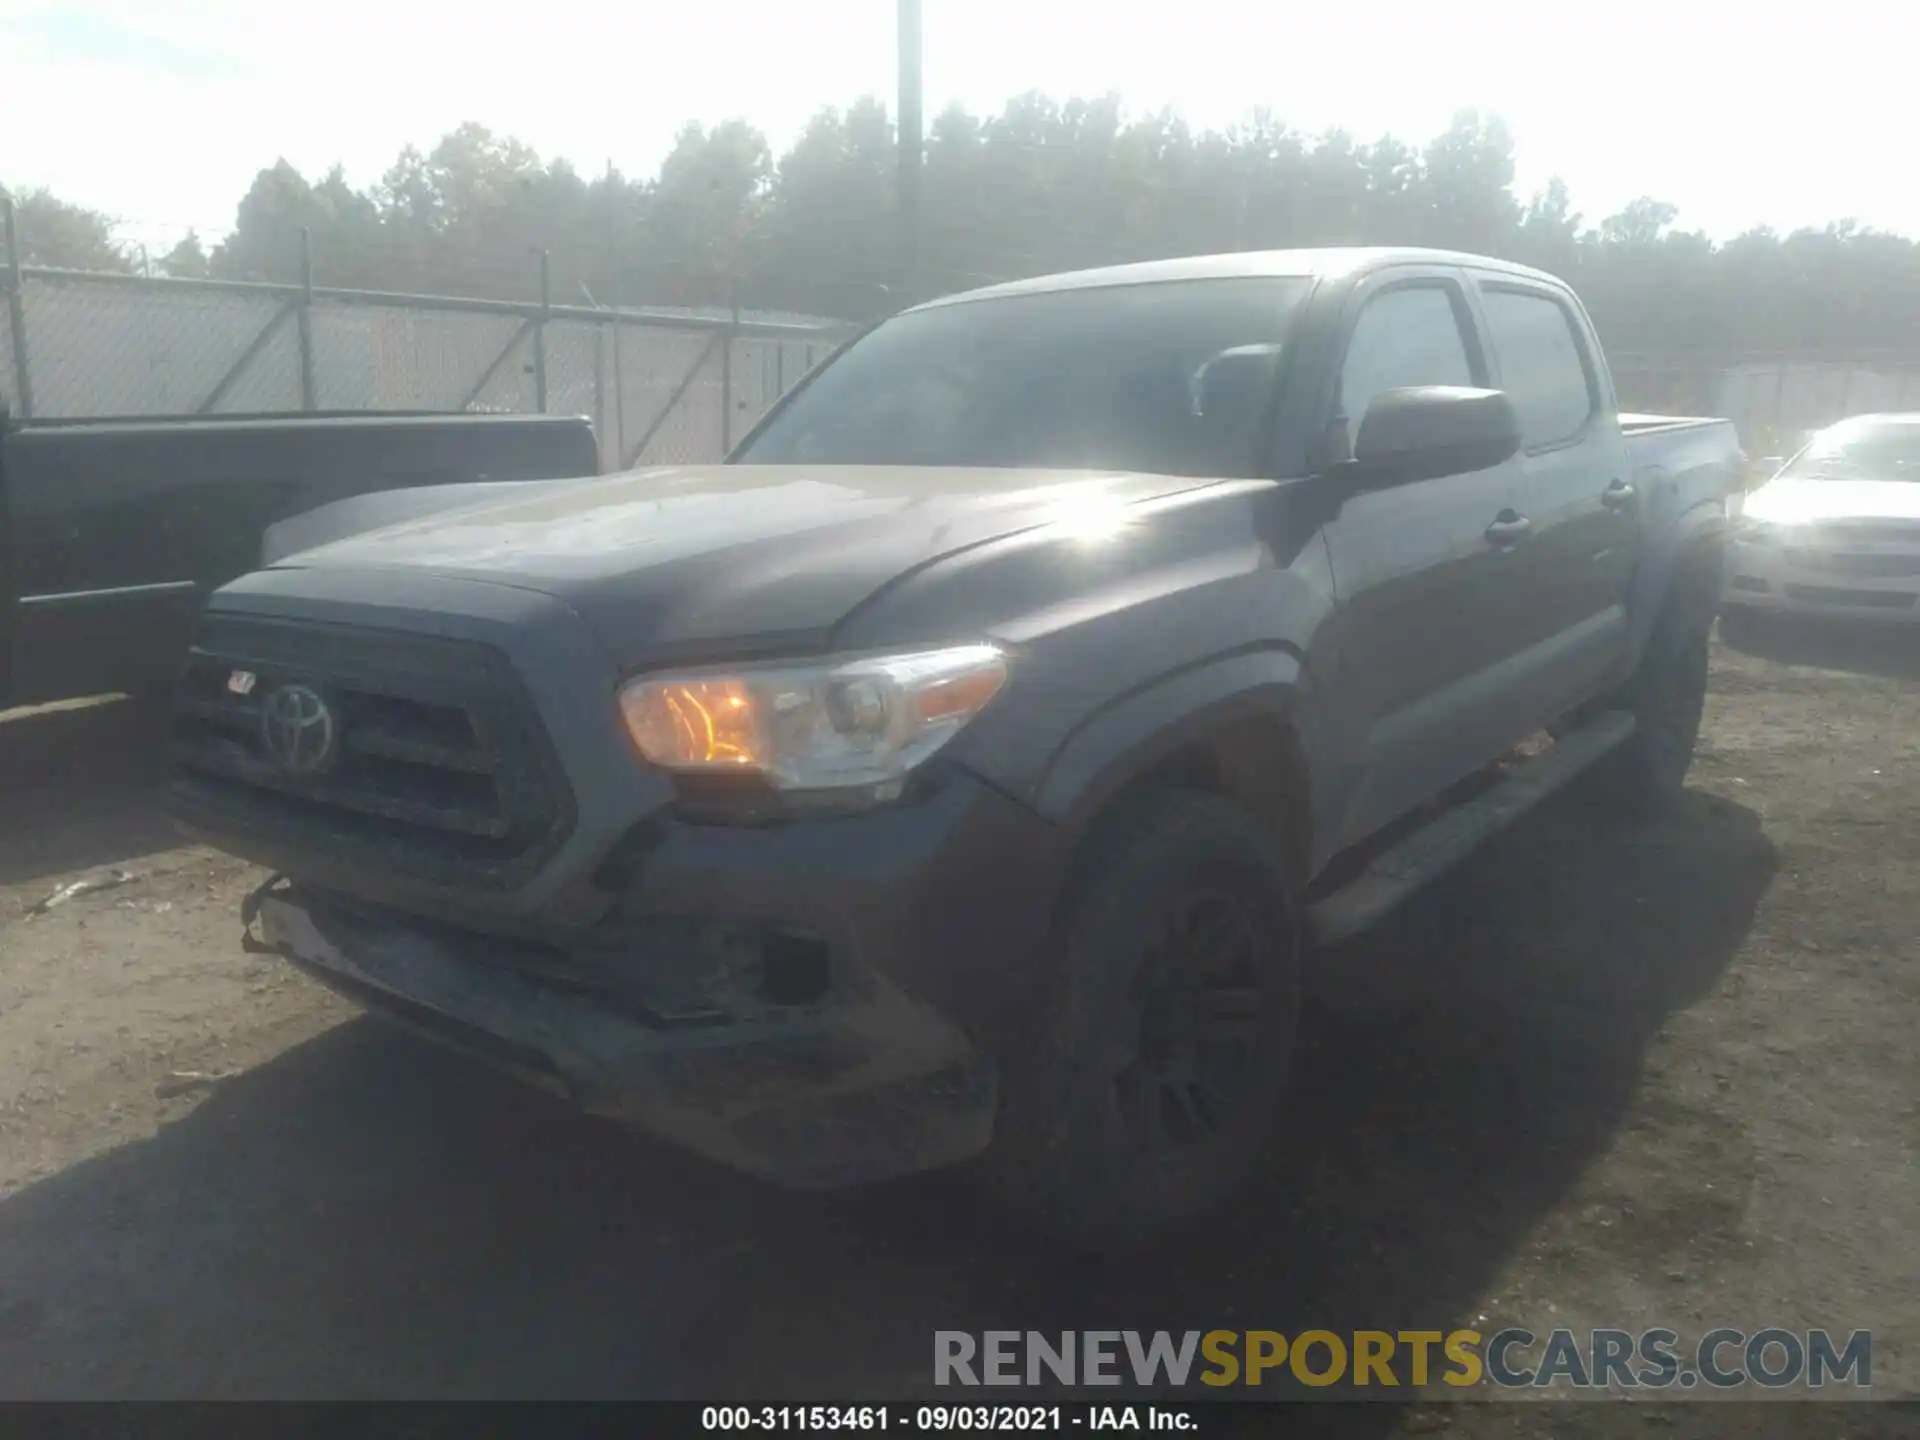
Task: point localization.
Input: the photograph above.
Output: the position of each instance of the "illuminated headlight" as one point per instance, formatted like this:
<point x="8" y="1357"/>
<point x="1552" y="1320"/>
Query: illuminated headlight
<point x="846" y="724"/>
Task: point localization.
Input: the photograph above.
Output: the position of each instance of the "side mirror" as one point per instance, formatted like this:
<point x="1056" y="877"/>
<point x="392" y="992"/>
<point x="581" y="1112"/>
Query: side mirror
<point x="1426" y="431"/>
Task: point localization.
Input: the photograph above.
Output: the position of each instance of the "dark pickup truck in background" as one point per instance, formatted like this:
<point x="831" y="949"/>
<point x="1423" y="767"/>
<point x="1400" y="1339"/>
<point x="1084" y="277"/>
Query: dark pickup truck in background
<point x="957" y="773"/>
<point x="114" y="532"/>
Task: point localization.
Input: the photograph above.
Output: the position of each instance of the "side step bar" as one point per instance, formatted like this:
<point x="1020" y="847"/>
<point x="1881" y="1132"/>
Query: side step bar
<point x="1436" y="847"/>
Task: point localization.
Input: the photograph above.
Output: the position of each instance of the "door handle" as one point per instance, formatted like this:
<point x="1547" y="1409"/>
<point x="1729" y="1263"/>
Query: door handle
<point x="1617" y="496"/>
<point x="1508" y="529"/>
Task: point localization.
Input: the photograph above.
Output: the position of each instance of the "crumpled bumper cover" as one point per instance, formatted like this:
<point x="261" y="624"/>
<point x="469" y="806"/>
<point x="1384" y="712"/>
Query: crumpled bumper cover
<point x="867" y="1084"/>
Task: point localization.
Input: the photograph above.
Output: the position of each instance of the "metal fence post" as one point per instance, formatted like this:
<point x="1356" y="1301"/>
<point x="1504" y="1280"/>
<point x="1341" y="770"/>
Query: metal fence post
<point x="17" y="310"/>
<point x="911" y="144"/>
<point x="305" y="319"/>
<point x="540" y="340"/>
<point x="600" y="387"/>
<point x="619" y="397"/>
<point x="726" y="370"/>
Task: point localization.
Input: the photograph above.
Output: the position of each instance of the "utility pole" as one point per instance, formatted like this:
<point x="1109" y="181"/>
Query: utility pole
<point x="907" y="263"/>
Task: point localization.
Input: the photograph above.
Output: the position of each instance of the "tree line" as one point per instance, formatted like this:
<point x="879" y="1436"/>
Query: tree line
<point x="1043" y="185"/>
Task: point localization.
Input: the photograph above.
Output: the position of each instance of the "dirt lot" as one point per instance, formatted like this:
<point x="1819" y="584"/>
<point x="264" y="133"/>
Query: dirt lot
<point x="1627" y="1078"/>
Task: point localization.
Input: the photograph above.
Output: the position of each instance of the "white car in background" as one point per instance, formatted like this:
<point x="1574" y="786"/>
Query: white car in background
<point x="1836" y="532"/>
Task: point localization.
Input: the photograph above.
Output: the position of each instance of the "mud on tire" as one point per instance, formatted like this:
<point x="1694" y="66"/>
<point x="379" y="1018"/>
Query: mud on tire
<point x="1163" y="1032"/>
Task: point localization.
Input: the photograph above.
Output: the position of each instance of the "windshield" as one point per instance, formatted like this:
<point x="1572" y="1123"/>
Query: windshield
<point x="1861" y="450"/>
<point x="1173" y="378"/>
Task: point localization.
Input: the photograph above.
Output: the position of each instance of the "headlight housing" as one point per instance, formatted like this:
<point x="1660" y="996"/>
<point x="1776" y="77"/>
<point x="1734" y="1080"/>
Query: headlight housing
<point x="849" y="726"/>
<point x="1751" y="531"/>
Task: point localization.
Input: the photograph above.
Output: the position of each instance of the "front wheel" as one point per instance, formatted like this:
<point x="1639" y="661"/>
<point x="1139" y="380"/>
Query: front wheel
<point x="1165" y="1027"/>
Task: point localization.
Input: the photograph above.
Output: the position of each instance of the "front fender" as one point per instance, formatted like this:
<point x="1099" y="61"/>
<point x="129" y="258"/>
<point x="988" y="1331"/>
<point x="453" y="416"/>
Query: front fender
<point x="1130" y="736"/>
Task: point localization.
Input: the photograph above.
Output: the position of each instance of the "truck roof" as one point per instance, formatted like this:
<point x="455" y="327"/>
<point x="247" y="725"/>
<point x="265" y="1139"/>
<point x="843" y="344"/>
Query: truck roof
<point x="1275" y="264"/>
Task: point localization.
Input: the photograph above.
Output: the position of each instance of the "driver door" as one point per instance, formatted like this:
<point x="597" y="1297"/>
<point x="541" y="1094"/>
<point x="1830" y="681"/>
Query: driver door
<point x="1430" y="606"/>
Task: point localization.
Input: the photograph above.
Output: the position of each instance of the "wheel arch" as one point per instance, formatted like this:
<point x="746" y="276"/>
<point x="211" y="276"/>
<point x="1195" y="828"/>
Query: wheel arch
<point x="1688" y="561"/>
<point x="1228" y="726"/>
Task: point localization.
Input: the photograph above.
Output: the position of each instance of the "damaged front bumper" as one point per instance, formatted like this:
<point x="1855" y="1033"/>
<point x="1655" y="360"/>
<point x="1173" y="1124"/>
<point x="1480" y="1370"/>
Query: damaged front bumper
<point x="864" y="1083"/>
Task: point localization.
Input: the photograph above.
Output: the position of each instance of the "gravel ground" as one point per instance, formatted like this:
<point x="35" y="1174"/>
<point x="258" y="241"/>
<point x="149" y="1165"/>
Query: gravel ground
<point x="1602" y="1077"/>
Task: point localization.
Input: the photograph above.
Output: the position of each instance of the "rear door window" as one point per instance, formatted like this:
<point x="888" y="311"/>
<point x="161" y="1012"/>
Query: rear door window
<point x="1543" y="365"/>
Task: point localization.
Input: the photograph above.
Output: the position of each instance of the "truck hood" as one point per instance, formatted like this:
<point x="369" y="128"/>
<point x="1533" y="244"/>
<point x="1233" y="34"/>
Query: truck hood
<point x="1796" y="502"/>
<point x="666" y="563"/>
<point x="357" y="514"/>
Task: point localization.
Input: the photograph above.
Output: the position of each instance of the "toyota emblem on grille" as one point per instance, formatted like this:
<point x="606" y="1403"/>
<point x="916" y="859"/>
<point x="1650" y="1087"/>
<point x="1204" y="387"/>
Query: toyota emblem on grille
<point x="298" y="731"/>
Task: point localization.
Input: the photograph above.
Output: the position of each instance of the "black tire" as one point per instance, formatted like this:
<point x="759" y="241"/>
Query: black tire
<point x="1646" y="776"/>
<point x="1742" y="628"/>
<point x="1164" y="1030"/>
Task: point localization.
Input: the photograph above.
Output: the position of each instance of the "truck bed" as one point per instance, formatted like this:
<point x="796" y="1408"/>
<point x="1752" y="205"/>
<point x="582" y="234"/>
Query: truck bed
<point x="1642" y="424"/>
<point x="113" y="530"/>
<point x="1698" y="457"/>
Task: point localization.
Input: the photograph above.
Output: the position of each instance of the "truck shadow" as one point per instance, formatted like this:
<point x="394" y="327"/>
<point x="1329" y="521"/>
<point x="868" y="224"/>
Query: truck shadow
<point x="364" y="1216"/>
<point x="1891" y="652"/>
<point x="81" y="787"/>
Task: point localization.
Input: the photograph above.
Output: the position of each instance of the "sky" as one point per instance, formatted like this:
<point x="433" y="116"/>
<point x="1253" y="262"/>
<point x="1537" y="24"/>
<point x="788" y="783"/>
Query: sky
<point x="1781" y="113"/>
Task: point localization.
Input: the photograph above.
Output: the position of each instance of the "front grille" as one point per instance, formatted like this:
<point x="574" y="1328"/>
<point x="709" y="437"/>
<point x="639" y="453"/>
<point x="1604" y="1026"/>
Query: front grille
<point x="439" y="766"/>
<point x="1879" y="567"/>
<point x="1829" y="595"/>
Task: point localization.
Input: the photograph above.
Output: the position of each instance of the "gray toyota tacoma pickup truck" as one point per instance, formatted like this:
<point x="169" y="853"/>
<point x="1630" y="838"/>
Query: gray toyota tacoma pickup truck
<point x="956" y="775"/>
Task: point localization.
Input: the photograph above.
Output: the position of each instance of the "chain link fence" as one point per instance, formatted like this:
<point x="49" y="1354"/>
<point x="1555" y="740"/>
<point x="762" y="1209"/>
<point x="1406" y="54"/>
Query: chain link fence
<point x="660" y="386"/>
<point x="1775" y="400"/>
